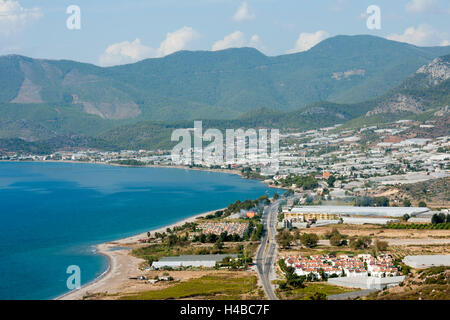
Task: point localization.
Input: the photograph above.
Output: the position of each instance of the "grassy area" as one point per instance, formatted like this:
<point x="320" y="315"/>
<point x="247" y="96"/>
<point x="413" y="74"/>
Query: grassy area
<point x="217" y="287"/>
<point x="311" y="289"/>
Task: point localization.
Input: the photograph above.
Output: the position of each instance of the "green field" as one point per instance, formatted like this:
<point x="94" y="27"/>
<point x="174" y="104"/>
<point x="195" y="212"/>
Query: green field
<point x="217" y="287"/>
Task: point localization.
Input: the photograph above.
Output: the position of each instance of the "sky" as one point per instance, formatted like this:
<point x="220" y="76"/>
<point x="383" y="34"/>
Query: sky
<point x="113" y="32"/>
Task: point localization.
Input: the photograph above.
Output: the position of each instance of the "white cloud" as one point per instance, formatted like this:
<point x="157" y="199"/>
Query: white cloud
<point x="234" y="40"/>
<point x="126" y="52"/>
<point x="129" y="52"/>
<point x="306" y="41"/>
<point x="237" y="40"/>
<point x="423" y="35"/>
<point x="177" y="40"/>
<point x="418" y="6"/>
<point x="14" y="18"/>
<point x="244" y="13"/>
<point x="255" y="41"/>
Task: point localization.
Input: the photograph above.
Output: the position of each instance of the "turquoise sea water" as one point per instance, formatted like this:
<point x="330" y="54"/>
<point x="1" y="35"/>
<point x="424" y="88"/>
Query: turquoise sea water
<point x="52" y="215"/>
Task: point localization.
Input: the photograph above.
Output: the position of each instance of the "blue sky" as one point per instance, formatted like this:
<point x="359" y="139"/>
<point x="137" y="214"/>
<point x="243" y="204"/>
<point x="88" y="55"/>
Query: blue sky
<point x="116" y="32"/>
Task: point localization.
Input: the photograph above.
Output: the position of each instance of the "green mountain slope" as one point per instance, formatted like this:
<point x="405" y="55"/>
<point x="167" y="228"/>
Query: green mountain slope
<point x="57" y="104"/>
<point x="418" y="97"/>
<point x="421" y="95"/>
<point x="34" y="122"/>
<point x="342" y="69"/>
<point x="217" y="85"/>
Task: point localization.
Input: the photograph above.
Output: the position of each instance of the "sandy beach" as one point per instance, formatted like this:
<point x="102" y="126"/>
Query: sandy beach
<point x="122" y="265"/>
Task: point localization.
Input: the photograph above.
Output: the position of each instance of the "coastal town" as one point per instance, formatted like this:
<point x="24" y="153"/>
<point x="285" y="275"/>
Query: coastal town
<point x="360" y="214"/>
<point x="341" y="163"/>
<point x="326" y="266"/>
<point x="222" y="159"/>
<point x="329" y="259"/>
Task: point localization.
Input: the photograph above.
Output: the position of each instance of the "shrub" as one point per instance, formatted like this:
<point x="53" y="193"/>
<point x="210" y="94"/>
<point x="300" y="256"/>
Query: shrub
<point x="360" y="242"/>
<point x="309" y="239"/>
<point x="422" y="204"/>
<point x="336" y="240"/>
<point x="381" y="245"/>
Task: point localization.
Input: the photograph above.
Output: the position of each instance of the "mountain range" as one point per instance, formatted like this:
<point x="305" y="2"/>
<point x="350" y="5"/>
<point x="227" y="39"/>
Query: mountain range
<point x="345" y="78"/>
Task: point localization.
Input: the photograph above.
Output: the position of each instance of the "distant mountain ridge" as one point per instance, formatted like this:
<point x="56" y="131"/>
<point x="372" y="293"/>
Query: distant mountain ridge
<point x="428" y="87"/>
<point x="49" y="105"/>
<point x="217" y="85"/>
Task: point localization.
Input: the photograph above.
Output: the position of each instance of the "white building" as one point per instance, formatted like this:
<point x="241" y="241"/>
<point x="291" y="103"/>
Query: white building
<point x="206" y="261"/>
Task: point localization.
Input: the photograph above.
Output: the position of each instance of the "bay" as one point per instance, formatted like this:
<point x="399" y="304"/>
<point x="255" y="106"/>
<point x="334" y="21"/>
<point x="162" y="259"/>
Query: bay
<point x="53" y="214"/>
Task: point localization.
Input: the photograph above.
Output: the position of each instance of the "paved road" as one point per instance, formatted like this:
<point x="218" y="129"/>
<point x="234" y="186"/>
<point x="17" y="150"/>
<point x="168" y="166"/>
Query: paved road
<point x="266" y="255"/>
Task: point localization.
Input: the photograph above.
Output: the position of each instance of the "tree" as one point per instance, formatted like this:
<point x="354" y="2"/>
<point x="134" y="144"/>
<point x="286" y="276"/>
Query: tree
<point x="360" y="242"/>
<point x="438" y="218"/>
<point x="309" y="240"/>
<point x="292" y="279"/>
<point x="284" y="238"/>
<point x="223" y="236"/>
<point x="422" y="204"/>
<point x="406" y="203"/>
<point x="364" y="202"/>
<point x="218" y="245"/>
<point x="382" y="202"/>
<point x="323" y="275"/>
<point x="211" y="238"/>
<point x="406" y="217"/>
<point x="331" y="180"/>
<point x="332" y="232"/>
<point x="172" y="239"/>
<point x="336" y="240"/>
<point x="318" y="296"/>
<point x="381" y="245"/>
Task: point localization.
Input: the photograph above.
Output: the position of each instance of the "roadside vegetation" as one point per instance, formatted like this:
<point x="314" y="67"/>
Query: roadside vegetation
<point x="419" y="226"/>
<point x="216" y="287"/>
<point x="439" y="221"/>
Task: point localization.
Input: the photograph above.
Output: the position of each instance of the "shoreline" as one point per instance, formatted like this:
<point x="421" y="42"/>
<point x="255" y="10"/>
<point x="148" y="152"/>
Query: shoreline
<point x="120" y="263"/>
<point x="226" y="171"/>
<point x="100" y="284"/>
<point x="229" y="171"/>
